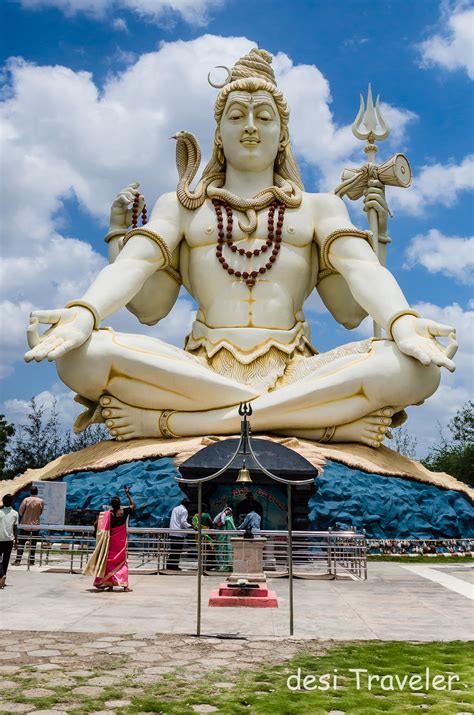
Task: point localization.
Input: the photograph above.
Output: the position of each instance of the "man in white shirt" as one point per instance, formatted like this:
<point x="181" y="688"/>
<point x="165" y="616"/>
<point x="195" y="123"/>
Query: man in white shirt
<point x="178" y="522"/>
<point x="8" y="535"/>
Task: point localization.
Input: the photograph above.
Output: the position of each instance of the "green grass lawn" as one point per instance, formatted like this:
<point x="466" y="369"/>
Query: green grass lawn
<point x="265" y="691"/>
<point x="439" y="559"/>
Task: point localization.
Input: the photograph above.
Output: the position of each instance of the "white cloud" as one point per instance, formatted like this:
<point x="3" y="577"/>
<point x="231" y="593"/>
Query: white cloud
<point x="451" y="255"/>
<point x="120" y="24"/>
<point x="194" y="12"/>
<point x="435" y="184"/>
<point x="452" y="49"/>
<point x="58" y="270"/>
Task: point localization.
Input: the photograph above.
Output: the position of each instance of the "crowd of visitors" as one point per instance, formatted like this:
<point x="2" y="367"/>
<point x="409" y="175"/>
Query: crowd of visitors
<point x="108" y="562"/>
<point x="217" y="547"/>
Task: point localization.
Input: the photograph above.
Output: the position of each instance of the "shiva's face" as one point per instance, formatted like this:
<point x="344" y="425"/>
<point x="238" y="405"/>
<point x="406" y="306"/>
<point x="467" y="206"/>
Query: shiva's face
<point x="250" y="130"/>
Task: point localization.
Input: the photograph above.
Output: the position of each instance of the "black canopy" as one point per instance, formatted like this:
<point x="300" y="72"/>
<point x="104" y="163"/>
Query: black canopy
<point x="278" y="459"/>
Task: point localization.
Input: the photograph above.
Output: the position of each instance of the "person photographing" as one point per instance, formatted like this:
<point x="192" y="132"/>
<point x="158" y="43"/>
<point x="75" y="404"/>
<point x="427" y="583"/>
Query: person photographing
<point x="108" y="562"/>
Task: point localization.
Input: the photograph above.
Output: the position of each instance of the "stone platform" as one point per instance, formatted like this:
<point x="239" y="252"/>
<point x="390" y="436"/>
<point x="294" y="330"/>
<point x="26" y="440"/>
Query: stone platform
<point x="246" y="586"/>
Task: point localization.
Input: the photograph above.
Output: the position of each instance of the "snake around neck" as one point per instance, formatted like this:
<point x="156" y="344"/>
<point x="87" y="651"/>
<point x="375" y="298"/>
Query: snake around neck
<point x="188" y="160"/>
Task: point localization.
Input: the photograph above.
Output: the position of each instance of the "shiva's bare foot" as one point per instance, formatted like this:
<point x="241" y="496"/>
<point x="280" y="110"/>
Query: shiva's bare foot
<point x="126" y="422"/>
<point x="371" y="429"/>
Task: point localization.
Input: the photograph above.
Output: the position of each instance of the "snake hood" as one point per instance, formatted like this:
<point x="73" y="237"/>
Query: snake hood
<point x="188" y="160"/>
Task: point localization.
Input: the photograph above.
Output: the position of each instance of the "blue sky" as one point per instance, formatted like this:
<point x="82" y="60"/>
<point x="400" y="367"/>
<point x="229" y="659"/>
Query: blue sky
<point x="92" y="89"/>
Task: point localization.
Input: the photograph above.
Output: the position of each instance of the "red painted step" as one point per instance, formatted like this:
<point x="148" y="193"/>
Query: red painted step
<point x="233" y="596"/>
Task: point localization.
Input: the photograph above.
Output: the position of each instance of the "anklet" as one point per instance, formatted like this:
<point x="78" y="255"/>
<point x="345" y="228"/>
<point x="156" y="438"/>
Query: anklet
<point x="328" y="434"/>
<point x="163" y="424"/>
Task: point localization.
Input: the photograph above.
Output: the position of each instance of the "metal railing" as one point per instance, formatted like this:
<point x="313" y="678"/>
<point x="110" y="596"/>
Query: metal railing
<point x="316" y="554"/>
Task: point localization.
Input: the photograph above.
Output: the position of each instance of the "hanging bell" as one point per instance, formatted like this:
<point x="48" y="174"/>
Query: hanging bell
<point x="244" y="476"/>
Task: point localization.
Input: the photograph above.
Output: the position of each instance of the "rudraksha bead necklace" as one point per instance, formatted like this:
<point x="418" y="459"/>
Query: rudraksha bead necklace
<point x="224" y="238"/>
<point x="136" y="202"/>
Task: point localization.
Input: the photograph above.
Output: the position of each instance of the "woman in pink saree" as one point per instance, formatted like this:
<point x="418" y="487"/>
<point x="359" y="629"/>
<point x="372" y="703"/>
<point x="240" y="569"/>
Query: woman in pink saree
<point x="109" y="563"/>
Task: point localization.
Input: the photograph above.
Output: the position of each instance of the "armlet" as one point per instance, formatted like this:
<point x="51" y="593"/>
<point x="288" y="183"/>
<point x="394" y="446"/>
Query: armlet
<point x="154" y="237"/>
<point x="325" y="266"/>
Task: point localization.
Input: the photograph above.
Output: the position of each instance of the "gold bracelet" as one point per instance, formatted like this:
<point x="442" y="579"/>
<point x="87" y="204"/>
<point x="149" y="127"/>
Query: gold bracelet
<point x="154" y="237"/>
<point x="163" y="424"/>
<point x="394" y="318"/>
<point x="112" y="234"/>
<point x="328" y="434"/>
<point x="339" y="233"/>
<point x="87" y="306"/>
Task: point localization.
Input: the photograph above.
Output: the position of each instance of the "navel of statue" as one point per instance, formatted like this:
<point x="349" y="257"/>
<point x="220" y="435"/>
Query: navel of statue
<point x="250" y="340"/>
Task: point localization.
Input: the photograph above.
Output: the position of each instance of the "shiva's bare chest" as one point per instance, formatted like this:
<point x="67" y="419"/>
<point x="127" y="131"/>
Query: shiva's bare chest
<point x="202" y="229"/>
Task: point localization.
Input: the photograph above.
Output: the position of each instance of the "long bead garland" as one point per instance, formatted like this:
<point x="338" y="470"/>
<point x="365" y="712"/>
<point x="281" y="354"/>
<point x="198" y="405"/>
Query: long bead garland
<point x="224" y="238"/>
<point x="136" y="202"/>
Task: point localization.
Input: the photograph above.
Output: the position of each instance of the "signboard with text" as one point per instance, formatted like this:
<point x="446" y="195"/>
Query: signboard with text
<point x="54" y="497"/>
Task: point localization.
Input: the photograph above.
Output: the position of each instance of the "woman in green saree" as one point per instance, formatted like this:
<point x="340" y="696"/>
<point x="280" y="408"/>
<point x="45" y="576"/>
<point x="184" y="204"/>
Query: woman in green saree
<point x="224" y="521"/>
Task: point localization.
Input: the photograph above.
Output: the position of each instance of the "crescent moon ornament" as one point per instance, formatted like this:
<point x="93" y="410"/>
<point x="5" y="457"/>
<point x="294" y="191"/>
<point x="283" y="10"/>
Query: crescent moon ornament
<point x="226" y="81"/>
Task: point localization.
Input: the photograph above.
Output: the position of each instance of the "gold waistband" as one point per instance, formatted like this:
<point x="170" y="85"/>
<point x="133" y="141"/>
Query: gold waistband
<point x="247" y="344"/>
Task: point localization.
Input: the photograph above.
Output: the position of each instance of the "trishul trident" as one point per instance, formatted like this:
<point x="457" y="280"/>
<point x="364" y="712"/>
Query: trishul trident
<point x="394" y="172"/>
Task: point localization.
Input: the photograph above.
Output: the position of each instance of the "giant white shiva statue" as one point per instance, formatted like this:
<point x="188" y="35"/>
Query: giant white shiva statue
<point x="249" y="245"/>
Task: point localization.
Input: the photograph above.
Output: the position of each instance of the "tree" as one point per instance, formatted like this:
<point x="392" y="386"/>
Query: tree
<point x="456" y="457"/>
<point x="91" y="435"/>
<point x="37" y="442"/>
<point x="41" y="440"/>
<point x="7" y="431"/>
<point x="403" y="442"/>
<point x="462" y="424"/>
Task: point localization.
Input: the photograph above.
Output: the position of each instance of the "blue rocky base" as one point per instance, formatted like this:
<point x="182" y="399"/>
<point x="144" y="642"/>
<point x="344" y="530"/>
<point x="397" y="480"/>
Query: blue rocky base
<point x="386" y="507"/>
<point x="389" y="507"/>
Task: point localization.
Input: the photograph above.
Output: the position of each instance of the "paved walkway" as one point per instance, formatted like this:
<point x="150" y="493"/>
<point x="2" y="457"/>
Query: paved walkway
<point x="112" y="670"/>
<point x="454" y="579"/>
<point x="396" y="603"/>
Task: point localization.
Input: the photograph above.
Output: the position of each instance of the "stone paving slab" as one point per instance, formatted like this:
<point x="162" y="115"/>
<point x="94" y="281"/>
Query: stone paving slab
<point x="395" y="603"/>
<point x="188" y="659"/>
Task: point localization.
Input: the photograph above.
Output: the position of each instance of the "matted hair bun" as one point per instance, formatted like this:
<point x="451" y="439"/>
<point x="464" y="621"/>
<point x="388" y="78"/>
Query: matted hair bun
<point x="257" y="63"/>
<point x="254" y="65"/>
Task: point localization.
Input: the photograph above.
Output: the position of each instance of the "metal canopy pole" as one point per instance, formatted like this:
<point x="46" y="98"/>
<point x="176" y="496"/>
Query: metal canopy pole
<point x="290" y="559"/>
<point x="199" y="578"/>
